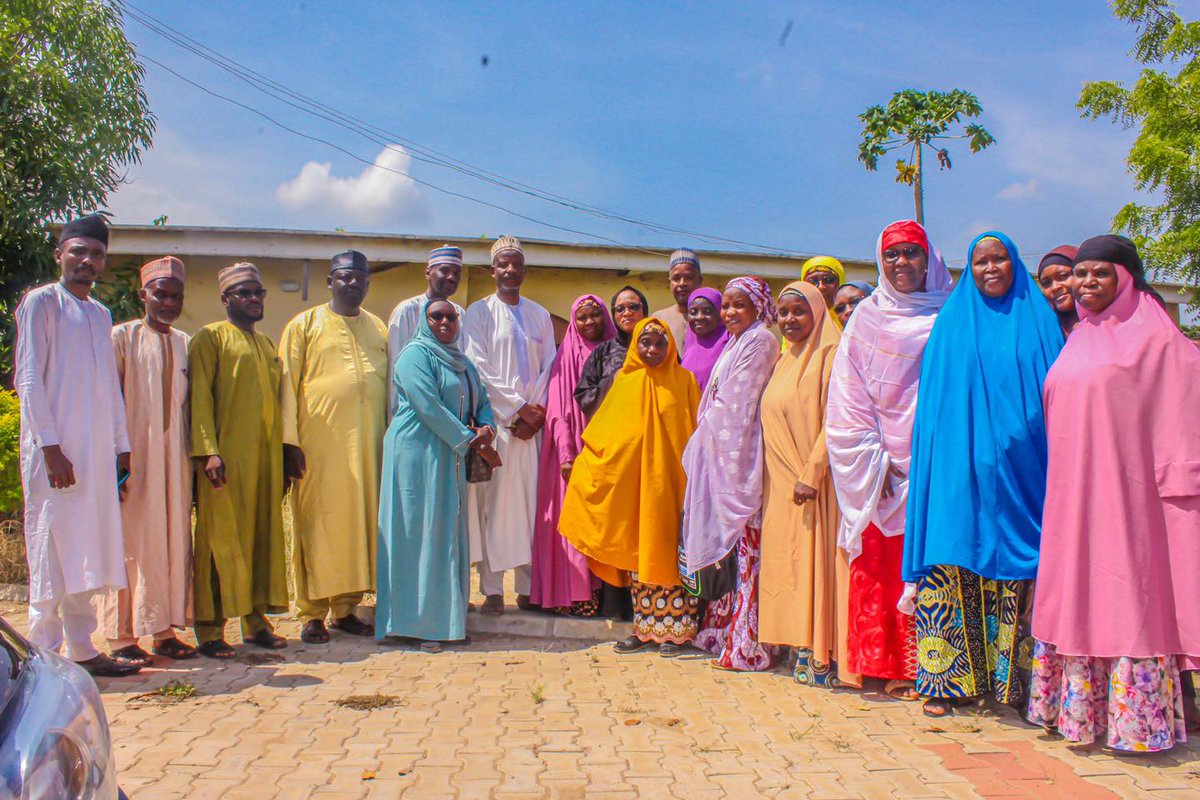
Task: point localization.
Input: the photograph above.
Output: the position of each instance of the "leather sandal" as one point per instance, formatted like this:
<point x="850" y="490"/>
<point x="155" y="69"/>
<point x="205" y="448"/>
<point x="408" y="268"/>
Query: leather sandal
<point x="267" y="640"/>
<point x="217" y="648"/>
<point x="352" y="625"/>
<point x="314" y="632"/>
<point x="173" y="648"/>
<point x="132" y="655"/>
<point x="101" y="666"/>
<point x="632" y="645"/>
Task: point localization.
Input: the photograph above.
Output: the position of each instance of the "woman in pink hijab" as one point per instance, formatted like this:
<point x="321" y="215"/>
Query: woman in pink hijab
<point x="1116" y="614"/>
<point x="561" y="579"/>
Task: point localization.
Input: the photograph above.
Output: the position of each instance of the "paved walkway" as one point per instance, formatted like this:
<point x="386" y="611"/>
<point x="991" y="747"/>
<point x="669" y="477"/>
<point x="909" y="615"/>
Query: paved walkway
<point x="517" y="717"/>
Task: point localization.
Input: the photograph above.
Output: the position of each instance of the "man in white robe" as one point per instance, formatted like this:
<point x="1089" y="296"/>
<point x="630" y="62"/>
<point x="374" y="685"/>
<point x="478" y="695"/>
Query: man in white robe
<point x="511" y="341"/>
<point x="442" y="275"/>
<point x="73" y="443"/>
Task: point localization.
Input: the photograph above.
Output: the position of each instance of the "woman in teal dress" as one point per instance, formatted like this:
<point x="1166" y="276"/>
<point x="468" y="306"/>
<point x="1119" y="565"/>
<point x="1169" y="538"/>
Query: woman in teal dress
<point x="442" y="413"/>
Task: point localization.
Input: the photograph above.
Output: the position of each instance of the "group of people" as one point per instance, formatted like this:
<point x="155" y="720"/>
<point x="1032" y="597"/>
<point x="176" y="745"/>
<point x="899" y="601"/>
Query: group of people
<point x="959" y="490"/>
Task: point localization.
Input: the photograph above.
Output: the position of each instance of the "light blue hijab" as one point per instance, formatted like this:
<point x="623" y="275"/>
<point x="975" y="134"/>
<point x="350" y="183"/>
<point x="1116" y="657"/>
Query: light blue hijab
<point x="977" y="479"/>
<point x="449" y="354"/>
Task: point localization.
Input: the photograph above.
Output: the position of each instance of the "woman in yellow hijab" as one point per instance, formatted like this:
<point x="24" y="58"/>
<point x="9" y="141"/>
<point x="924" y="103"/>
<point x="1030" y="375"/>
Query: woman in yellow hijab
<point x="803" y="577"/>
<point x="827" y="274"/>
<point x="625" y="496"/>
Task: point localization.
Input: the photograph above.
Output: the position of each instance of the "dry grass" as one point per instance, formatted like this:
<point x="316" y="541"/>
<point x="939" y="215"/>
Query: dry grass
<point x="368" y="702"/>
<point x="13" y="567"/>
<point x="172" y="692"/>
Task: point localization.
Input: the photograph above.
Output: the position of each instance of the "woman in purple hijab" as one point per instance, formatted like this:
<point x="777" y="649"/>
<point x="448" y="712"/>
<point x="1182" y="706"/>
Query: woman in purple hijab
<point x="706" y="334"/>
<point x="561" y="579"/>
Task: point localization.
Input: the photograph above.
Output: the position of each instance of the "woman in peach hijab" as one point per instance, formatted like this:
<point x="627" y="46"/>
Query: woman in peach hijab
<point x="804" y="575"/>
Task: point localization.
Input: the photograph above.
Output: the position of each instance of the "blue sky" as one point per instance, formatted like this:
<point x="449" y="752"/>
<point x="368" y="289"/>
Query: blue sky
<point x="686" y="114"/>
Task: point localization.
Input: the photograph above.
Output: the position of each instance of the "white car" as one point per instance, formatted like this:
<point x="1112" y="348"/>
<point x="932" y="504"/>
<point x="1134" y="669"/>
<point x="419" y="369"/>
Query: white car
<point x="54" y="739"/>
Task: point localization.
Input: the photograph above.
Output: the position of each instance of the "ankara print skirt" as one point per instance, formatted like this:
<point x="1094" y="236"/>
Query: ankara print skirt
<point x="730" y="628"/>
<point x="811" y="671"/>
<point x="972" y="637"/>
<point x="664" y="614"/>
<point x="1135" y="703"/>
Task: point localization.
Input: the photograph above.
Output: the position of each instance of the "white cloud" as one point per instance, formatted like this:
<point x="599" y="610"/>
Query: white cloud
<point x="1019" y="190"/>
<point x="175" y="179"/>
<point x="382" y="193"/>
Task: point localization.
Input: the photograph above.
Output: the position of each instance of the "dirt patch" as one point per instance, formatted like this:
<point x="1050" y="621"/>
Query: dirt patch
<point x="367" y="702"/>
<point x="258" y="659"/>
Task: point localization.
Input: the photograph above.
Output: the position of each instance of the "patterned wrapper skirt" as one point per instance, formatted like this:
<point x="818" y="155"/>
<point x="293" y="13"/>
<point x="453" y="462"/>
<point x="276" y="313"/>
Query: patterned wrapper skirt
<point x="730" y="626"/>
<point x="880" y="638"/>
<point x="972" y="637"/>
<point x="1137" y="703"/>
<point x="664" y="614"/>
<point x="811" y="671"/>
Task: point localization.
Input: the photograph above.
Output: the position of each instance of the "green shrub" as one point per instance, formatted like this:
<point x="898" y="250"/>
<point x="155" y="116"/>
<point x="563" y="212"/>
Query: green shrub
<point x="10" y="453"/>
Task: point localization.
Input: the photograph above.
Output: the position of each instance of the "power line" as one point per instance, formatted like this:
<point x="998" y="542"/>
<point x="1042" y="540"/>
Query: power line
<point x="414" y="149"/>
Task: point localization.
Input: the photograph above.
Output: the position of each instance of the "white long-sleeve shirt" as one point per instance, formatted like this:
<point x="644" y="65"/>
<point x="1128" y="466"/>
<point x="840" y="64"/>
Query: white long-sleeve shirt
<point x="70" y="393"/>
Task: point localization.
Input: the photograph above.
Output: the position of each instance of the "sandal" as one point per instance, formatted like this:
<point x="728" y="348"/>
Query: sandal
<point x="314" y="632"/>
<point x="433" y="648"/>
<point x="493" y="605"/>
<point x="217" y="648"/>
<point x="901" y="690"/>
<point x="352" y="625"/>
<point x="132" y="656"/>
<point x="669" y="650"/>
<point x="524" y="604"/>
<point x="632" y="645"/>
<point x="268" y="640"/>
<point x="173" y="648"/>
<point x="938" y="708"/>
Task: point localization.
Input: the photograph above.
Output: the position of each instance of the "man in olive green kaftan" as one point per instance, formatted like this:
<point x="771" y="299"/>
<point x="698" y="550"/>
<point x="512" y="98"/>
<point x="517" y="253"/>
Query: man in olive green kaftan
<point x="335" y="389"/>
<point x="237" y="443"/>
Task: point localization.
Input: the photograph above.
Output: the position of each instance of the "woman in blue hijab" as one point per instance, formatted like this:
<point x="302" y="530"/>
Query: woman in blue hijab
<point x="978" y="480"/>
<point x="442" y="413"/>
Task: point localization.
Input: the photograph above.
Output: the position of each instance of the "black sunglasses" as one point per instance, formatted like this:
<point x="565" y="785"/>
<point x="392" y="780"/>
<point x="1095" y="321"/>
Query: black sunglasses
<point x="439" y="316"/>
<point x="246" y="294"/>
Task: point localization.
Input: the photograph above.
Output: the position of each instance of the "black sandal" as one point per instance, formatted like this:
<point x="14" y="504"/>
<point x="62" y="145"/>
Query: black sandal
<point x="314" y="632"/>
<point x="632" y="645"/>
<point x="217" y="648"/>
<point x="267" y="640"/>
<point x="173" y="648"/>
<point x="352" y="625"/>
<point x="132" y="655"/>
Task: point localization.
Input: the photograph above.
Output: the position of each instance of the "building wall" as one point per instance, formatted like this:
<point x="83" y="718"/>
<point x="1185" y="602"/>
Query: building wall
<point x="555" y="289"/>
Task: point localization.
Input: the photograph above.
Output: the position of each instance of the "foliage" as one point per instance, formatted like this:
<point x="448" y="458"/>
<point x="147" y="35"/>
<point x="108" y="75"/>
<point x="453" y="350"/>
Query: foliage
<point x="118" y="289"/>
<point x="73" y="117"/>
<point x="1165" y="157"/>
<point x="10" y="453"/>
<point x="916" y="120"/>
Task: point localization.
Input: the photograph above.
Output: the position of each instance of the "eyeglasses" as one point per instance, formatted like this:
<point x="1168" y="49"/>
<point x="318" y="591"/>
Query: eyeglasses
<point x="247" y="294"/>
<point x="842" y="307"/>
<point x="443" y="316"/>
<point x="822" y="279"/>
<point x="892" y="254"/>
<point x="621" y="309"/>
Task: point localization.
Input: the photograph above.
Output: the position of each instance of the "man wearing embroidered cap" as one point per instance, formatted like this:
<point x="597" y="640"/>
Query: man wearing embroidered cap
<point x="442" y="274"/>
<point x="334" y="401"/>
<point x="73" y="441"/>
<point x="157" y="508"/>
<point x="510" y="339"/>
<point x="237" y="444"/>
<point x="683" y="272"/>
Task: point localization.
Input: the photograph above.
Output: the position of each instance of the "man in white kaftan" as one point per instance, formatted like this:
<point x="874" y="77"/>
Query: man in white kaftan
<point x="442" y="274"/>
<point x="510" y="340"/>
<point x="73" y="441"/>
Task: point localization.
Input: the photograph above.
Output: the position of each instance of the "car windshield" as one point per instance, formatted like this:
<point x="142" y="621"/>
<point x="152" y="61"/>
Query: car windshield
<point x="13" y="654"/>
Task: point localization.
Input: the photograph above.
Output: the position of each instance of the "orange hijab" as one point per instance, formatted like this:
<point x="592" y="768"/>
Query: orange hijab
<point x="625" y="496"/>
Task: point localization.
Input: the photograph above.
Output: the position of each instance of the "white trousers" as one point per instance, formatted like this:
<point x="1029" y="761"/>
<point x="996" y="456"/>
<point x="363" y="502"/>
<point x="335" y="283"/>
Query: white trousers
<point x="493" y="582"/>
<point x="69" y="620"/>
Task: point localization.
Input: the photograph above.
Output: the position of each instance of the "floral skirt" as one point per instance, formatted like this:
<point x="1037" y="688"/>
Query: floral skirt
<point x="730" y="627"/>
<point x="971" y="636"/>
<point x="880" y="638"/>
<point x="1136" y="702"/>
<point x="664" y="614"/>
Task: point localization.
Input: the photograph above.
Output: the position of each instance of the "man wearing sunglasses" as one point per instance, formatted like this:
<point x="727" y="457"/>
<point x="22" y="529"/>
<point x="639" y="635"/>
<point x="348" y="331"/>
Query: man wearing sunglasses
<point x="443" y="272"/>
<point x="237" y="442"/>
<point x="335" y="379"/>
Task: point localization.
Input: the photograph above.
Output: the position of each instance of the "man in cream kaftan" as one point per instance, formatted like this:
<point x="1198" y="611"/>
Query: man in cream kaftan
<point x="157" y="510"/>
<point x="510" y="340"/>
<point x="334" y="403"/>
<point x="73" y="438"/>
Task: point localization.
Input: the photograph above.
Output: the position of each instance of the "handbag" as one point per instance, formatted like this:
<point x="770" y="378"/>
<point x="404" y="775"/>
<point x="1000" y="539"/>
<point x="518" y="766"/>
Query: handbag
<point x="478" y="469"/>
<point x="712" y="582"/>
